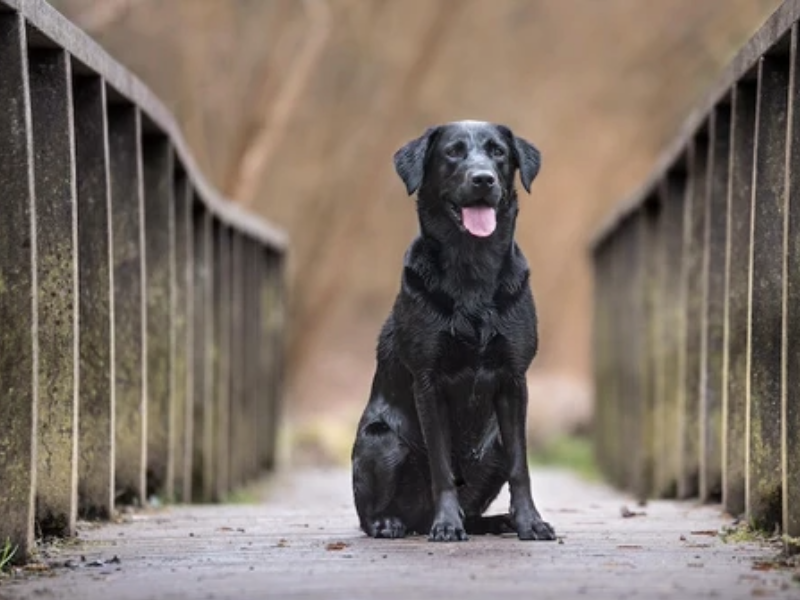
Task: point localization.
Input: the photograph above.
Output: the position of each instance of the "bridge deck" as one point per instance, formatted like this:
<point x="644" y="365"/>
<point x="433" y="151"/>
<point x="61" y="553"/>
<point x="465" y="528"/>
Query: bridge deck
<point x="300" y="540"/>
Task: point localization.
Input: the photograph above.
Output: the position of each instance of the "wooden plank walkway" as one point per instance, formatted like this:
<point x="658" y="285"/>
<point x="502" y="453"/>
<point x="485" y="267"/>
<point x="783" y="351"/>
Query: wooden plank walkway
<point x="299" y="539"/>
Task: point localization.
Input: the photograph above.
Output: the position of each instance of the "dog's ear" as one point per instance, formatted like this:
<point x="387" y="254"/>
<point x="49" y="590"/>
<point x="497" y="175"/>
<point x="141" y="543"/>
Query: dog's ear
<point x="409" y="161"/>
<point x="528" y="157"/>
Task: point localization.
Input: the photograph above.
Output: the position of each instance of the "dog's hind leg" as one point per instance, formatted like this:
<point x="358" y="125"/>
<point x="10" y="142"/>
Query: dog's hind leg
<point x="378" y="457"/>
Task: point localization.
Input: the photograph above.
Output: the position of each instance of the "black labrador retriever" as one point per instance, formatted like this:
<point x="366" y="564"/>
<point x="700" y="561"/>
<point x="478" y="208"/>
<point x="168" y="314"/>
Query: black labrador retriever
<point x="444" y="428"/>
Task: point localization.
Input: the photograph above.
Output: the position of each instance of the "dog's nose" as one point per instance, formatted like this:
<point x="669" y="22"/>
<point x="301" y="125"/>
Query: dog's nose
<point x="483" y="179"/>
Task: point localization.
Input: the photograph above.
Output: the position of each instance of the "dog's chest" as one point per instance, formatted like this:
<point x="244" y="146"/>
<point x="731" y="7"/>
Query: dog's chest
<point x="472" y="341"/>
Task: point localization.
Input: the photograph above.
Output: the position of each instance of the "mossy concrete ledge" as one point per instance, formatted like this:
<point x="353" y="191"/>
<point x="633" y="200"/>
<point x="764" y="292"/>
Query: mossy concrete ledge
<point x="127" y="283"/>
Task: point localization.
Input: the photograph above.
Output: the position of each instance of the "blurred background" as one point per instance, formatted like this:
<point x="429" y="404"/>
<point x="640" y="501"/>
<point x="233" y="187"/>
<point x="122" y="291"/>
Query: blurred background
<point x="295" y="107"/>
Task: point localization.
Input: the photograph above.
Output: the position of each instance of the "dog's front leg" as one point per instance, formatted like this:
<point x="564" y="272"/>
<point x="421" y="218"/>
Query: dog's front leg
<point x="434" y="421"/>
<point x="511" y="406"/>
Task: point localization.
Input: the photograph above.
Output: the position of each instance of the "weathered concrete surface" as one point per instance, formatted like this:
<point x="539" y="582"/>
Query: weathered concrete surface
<point x="124" y="138"/>
<point x="96" y="410"/>
<point x="57" y="289"/>
<point x="158" y="171"/>
<point x="738" y="298"/>
<point x="764" y="484"/>
<point x="303" y="543"/>
<point x="18" y="351"/>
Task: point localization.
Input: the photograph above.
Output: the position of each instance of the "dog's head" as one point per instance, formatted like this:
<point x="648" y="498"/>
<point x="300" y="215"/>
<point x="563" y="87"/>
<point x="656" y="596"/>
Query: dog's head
<point x="466" y="170"/>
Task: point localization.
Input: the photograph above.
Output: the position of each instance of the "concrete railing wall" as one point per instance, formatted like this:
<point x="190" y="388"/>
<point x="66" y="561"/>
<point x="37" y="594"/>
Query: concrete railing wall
<point x="697" y="301"/>
<point x="141" y="315"/>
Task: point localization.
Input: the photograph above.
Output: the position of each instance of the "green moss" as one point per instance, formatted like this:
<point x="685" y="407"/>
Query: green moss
<point x="741" y="534"/>
<point x="56" y="306"/>
<point x="791" y="544"/>
<point x="767" y="497"/>
<point x="7" y="554"/>
<point x="241" y="497"/>
<point x="574" y="453"/>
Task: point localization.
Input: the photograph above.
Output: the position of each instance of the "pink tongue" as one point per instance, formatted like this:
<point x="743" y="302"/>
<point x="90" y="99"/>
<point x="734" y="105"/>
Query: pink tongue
<point x="479" y="220"/>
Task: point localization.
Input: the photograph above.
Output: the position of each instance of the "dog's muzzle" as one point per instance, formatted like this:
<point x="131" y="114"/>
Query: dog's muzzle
<point x="479" y="211"/>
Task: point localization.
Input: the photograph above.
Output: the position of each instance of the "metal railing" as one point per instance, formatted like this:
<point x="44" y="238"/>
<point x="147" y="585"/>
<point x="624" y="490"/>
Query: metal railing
<point x="697" y="301"/>
<point x="141" y="316"/>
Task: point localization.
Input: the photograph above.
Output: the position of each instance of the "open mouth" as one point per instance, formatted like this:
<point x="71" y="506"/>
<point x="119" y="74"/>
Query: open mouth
<point x="479" y="220"/>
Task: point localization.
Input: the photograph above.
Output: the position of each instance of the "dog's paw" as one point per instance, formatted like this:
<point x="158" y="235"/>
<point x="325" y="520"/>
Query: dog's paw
<point x="536" y="529"/>
<point x="448" y="531"/>
<point x="388" y="527"/>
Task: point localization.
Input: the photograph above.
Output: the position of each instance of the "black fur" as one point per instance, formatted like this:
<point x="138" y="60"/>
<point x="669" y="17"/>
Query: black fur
<point x="444" y="428"/>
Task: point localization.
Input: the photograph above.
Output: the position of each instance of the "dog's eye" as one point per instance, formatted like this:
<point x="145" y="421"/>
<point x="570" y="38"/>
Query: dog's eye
<point x="455" y="151"/>
<point x="497" y="151"/>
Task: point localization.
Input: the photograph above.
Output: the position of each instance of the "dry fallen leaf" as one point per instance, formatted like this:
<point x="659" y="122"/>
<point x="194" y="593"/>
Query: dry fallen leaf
<point x="333" y="546"/>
